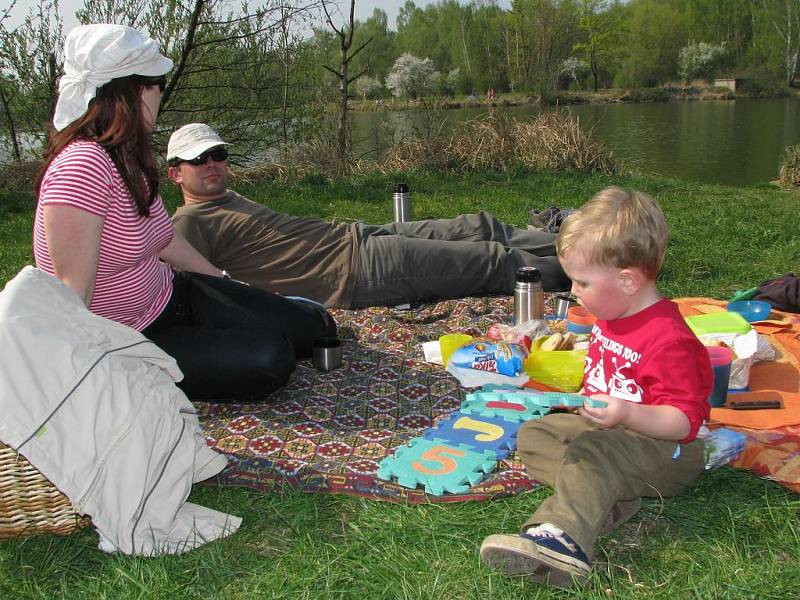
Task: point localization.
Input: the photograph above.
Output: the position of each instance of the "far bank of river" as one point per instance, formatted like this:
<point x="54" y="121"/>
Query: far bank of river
<point x="730" y="142"/>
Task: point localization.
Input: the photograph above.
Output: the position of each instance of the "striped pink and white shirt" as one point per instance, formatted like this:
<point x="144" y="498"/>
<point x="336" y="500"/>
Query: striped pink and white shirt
<point x="132" y="286"/>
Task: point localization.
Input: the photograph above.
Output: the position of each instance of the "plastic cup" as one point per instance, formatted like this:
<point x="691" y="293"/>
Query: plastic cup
<point x="451" y="342"/>
<point x="721" y="365"/>
<point x="580" y="320"/>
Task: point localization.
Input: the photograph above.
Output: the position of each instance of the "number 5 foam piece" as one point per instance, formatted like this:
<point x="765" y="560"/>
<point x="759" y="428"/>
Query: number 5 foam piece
<point x="438" y="466"/>
<point x="484" y="433"/>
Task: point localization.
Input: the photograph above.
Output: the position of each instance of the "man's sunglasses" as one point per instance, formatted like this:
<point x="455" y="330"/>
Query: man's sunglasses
<point x="218" y="154"/>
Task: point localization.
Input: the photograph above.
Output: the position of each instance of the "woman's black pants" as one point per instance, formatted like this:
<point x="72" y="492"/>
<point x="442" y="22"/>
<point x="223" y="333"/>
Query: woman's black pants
<point x="233" y="341"/>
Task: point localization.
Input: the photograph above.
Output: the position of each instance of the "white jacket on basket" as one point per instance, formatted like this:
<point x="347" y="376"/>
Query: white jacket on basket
<point x="93" y="405"/>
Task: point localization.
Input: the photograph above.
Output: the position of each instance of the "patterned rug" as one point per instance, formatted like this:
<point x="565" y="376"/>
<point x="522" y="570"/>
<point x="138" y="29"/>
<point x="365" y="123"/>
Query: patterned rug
<point x="327" y="432"/>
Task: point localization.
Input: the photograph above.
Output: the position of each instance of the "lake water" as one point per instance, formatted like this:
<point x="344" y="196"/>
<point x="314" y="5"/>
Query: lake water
<point x="734" y="142"/>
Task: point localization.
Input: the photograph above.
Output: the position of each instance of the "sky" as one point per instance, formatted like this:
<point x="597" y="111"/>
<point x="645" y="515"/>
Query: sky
<point x="363" y="10"/>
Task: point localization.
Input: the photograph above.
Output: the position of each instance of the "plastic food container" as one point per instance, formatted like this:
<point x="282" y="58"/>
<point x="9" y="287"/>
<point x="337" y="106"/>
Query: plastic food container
<point x="718" y="322"/>
<point x="558" y="369"/>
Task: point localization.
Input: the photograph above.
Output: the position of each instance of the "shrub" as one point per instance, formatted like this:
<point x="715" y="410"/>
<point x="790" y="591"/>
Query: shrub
<point x="553" y="141"/>
<point x="699" y="60"/>
<point x="789" y="171"/>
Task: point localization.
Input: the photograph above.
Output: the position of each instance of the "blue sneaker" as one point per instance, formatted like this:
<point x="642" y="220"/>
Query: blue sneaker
<point x="544" y="552"/>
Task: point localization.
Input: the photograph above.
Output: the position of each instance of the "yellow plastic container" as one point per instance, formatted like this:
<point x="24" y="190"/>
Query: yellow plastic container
<point x="559" y="369"/>
<point x="451" y="342"/>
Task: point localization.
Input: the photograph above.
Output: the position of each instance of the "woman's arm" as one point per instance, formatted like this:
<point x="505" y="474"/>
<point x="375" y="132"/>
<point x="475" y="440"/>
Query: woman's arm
<point x="181" y="255"/>
<point x="73" y="240"/>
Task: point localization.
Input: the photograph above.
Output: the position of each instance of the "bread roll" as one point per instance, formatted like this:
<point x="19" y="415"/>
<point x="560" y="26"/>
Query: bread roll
<point x="552" y="343"/>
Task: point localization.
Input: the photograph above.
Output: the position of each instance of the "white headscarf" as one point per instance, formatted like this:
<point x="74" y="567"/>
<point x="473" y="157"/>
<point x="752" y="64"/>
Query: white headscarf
<point x="96" y="54"/>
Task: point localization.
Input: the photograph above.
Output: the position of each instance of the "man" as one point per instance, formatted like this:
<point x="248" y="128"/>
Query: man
<point x="348" y="265"/>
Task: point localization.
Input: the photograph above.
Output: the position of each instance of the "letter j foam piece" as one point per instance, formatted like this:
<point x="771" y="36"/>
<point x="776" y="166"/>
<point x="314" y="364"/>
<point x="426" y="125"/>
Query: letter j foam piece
<point x="477" y="432"/>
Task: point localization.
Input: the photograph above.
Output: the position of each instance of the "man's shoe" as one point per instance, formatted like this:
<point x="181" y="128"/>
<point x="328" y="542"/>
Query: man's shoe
<point x="548" y="220"/>
<point x="544" y="552"/>
<point x="620" y="512"/>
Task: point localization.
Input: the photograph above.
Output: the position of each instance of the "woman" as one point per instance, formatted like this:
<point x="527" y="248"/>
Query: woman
<point x="102" y="229"/>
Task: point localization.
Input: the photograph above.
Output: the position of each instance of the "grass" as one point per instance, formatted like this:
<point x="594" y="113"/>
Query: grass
<point x="732" y="536"/>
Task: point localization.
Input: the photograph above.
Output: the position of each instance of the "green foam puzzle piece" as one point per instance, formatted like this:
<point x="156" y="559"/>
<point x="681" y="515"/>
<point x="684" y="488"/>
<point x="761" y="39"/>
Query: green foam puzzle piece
<point x="438" y="466"/>
<point x="513" y="408"/>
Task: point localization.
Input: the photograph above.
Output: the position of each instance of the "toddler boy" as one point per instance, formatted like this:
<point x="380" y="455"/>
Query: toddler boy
<point x="649" y="368"/>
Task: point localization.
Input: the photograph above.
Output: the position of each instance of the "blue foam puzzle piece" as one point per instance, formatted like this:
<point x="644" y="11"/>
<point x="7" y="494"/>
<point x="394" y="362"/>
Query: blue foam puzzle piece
<point x="440" y="467"/>
<point x="478" y="432"/>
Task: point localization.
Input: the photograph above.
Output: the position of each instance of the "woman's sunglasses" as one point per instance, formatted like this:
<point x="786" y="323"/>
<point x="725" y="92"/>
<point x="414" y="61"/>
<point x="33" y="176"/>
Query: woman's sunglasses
<point x="161" y="82"/>
<point x="218" y="154"/>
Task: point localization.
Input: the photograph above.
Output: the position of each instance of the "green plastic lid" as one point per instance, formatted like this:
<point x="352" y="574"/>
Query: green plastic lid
<point x="718" y="322"/>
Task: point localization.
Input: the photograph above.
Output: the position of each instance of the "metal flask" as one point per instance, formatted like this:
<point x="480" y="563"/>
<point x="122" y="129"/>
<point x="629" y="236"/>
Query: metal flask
<point x="528" y="295"/>
<point x="402" y="203"/>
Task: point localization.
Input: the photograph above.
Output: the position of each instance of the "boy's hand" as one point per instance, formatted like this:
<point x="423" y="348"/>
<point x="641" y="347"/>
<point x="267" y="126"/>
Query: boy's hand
<point x="615" y="412"/>
<point x="663" y="422"/>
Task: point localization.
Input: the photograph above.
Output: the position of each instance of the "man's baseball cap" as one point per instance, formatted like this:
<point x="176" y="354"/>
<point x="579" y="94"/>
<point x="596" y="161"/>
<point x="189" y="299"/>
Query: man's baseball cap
<point x="191" y="140"/>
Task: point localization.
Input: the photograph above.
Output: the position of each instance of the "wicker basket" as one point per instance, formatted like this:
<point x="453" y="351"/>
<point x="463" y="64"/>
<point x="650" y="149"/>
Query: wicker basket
<point x="29" y="503"/>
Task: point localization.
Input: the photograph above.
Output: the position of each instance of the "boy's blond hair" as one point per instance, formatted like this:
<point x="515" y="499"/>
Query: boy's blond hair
<point x="618" y="228"/>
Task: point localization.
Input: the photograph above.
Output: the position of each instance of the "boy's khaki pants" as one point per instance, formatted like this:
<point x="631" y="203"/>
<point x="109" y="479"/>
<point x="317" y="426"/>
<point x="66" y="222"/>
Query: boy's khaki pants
<point x="591" y="469"/>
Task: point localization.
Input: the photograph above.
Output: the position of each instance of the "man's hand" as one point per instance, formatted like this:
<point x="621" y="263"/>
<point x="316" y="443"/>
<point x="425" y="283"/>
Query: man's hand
<point x="615" y="412"/>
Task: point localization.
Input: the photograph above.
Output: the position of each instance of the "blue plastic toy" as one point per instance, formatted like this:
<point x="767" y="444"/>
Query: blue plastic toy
<point x="483" y="433"/>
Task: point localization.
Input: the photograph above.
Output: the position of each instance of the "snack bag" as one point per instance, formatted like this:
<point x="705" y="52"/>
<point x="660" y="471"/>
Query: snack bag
<point x="495" y="357"/>
<point x="522" y="334"/>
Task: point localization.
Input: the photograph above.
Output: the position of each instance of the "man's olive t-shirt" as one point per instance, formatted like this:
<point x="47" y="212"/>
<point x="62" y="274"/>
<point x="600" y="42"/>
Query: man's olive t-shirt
<point x="294" y="256"/>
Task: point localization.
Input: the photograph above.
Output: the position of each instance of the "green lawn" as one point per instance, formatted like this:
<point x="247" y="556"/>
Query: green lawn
<point x="732" y="536"/>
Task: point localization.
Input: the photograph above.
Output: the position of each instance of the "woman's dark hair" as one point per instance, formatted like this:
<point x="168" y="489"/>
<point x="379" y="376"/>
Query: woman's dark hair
<point x="115" y="120"/>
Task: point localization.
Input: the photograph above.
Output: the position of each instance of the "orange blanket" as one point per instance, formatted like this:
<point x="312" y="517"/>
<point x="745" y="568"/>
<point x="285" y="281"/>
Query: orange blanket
<point x="773" y="436"/>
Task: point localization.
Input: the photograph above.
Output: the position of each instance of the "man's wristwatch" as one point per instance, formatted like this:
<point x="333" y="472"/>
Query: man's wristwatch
<point x="226" y="275"/>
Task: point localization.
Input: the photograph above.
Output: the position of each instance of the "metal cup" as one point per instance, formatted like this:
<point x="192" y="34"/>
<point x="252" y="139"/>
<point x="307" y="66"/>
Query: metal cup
<point x="562" y="306"/>
<point x="326" y="354"/>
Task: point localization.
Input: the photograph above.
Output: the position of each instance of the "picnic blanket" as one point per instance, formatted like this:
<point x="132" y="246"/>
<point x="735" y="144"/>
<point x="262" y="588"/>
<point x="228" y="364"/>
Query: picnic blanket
<point x="773" y="436"/>
<point x="327" y="432"/>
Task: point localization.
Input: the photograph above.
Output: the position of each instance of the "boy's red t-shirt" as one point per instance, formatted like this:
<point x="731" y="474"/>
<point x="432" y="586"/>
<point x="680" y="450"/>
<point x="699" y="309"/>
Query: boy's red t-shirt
<point x="651" y="357"/>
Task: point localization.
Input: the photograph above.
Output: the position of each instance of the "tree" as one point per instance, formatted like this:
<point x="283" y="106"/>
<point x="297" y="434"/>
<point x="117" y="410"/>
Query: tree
<point x="382" y="53"/>
<point x="545" y="32"/>
<point x="28" y="75"/>
<point x="600" y="36"/>
<point x="574" y="68"/>
<point x="243" y="70"/>
<point x="345" y="35"/>
<point x="656" y="32"/>
<point x="229" y="69"/>
<point x="787" y="26"/>
<point x="411" y="76"/>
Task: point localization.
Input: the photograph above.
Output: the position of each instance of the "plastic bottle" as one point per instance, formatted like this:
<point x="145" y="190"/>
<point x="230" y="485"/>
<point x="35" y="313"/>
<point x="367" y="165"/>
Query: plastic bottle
<point x="528" y="295"/>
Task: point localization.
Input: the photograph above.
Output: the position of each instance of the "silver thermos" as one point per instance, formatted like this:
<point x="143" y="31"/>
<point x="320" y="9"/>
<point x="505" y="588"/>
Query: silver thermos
<point x="528" y="295"/>
<point x="402" y="203"/>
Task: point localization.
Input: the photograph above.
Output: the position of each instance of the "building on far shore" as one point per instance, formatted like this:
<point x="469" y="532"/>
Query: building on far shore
<point x="729" y="83"/>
